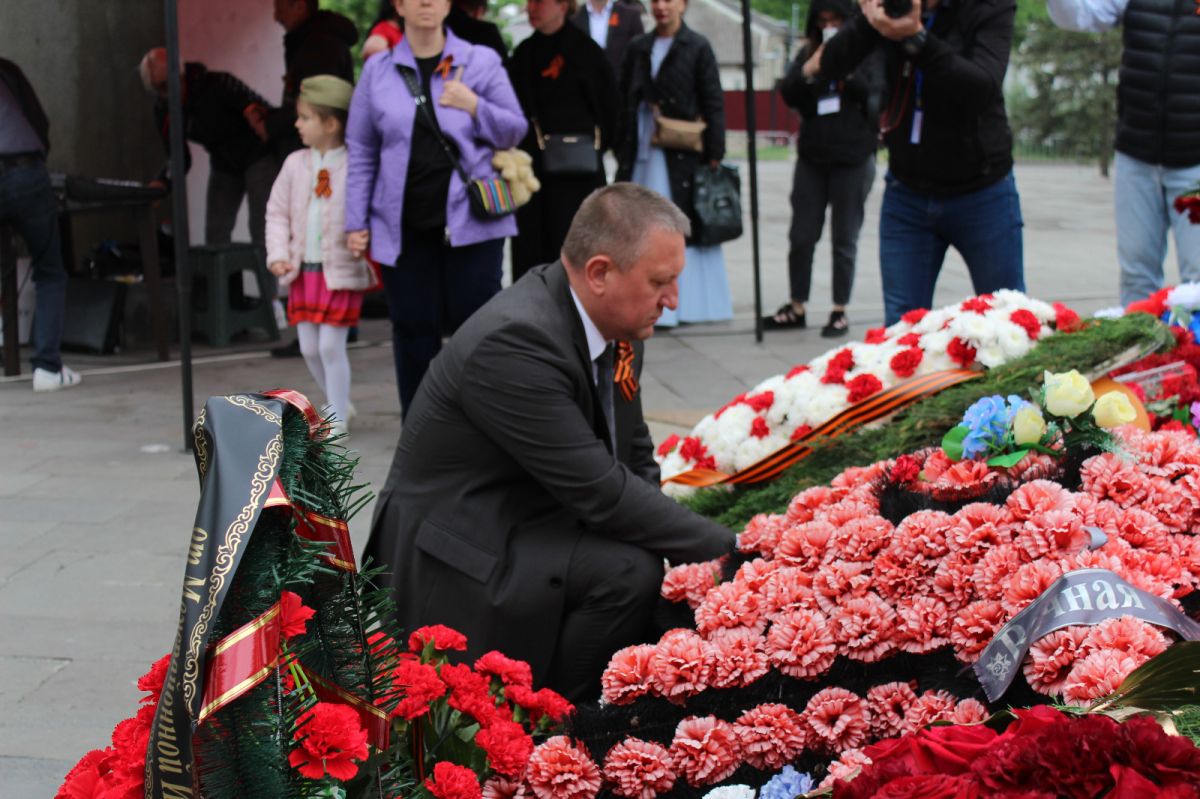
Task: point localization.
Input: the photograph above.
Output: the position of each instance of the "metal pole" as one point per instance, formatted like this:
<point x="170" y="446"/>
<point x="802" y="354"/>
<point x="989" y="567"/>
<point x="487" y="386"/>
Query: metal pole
<point x="179" y="213"/>
<point x="752" y="156"/>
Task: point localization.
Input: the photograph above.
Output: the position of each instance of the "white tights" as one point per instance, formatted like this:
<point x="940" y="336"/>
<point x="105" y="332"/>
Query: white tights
<point x="324" y="350"/>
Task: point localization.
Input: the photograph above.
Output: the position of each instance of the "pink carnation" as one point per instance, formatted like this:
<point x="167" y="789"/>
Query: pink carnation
<point x="705" y="750"/>
<point x="993" y="569"/>
<point x="691" y="582"/>
<point x="1136" y="527"/>
<point x="804" y="505"/>
<point x="974" y="628"/>
<point x="1029" y="582"/>
<point x="861" y="537"/>
<point x="837" y="719"/>
<point x="930" y="706"/>
<point x="1109" y="476"/>
<point x="800" y="644"/>
<point x="954" y="581"/>
<point x="899" y="573"/>
<point x="501" y="787"/>
<point x="680" y="665"/>
<point x="922" y="624"/>
<point x="638" y="769"/>
<point x="1052" y="533"/>
<point x="558" y="769"/>
<point x="762" y="534"/>
<point x="865" y="626"/>
<point x="927" y="531"/>
<point x="804" y="544"/>
<point x="848" y="510"/>
<point x="753" y="575"/>
<point x="788" y="589"/>
<point x="771" y="736"/>
<point x="740" y="657"/>
<point x="1099" y="674"/>
<point x="888" y="704"/>
<point x="1170" y="504"/>
<point x="840" y="580"/>
<point x="846" y="767"/>
<point x="969" y="711"/>
<point x="1037" y="496"/>
<point x="627" y="675"/>
<point x="1127" y="634"/>
<point x="727" y="606"/>
<point x="979" y="526"/>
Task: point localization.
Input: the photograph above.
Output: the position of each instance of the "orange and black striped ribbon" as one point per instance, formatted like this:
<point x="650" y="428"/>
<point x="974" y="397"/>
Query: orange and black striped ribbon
<point x="315" y="527"/>
<point x="323" y="189"/>
<point x="869" y="410"/>
<point x="623" y="374"/>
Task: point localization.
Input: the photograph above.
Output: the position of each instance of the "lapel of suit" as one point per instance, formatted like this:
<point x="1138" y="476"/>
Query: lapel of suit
<point x="560" y="290"/>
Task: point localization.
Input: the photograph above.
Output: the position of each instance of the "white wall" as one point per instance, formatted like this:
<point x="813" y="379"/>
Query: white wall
<point x="237" y="36"/>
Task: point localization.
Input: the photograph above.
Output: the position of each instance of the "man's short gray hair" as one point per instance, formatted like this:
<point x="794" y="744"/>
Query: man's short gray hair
<point x="616" y="220"/>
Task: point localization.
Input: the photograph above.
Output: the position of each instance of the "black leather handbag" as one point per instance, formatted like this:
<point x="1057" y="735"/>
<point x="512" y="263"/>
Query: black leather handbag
<point x="716" y="204"/>
<point x="568" y="153"/>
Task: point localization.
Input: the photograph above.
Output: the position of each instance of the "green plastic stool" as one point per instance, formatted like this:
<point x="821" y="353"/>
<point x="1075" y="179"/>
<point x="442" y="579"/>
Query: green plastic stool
<point x="223" y="312"/>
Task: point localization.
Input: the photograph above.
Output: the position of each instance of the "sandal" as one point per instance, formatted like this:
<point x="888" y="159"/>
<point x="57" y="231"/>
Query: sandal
<point x="785" y="318"/>
<point x="838" y="325"/>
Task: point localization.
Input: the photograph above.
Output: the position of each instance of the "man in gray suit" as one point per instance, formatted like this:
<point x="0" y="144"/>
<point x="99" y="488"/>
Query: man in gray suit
<point x="522" y="507"/>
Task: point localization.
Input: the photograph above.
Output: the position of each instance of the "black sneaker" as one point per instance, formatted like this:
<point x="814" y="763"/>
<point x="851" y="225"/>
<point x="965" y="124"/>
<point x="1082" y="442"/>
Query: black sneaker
<point x="287" y="350"/>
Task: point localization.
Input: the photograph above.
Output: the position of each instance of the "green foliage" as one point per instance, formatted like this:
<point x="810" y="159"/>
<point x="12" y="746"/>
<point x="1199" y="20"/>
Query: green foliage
<point x="925" y="423"/>
<point x="1066" y="100"/>
<point x="1166" y="682"/>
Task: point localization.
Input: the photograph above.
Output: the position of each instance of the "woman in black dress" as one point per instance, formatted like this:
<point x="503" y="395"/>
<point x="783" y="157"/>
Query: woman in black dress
<point x="566" y="86"/>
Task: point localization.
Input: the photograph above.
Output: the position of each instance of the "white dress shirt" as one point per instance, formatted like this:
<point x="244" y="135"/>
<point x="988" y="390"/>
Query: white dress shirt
<point x="1089" y="16"/>
<point x="595" y="339"/>
<point x="598" y="23"/>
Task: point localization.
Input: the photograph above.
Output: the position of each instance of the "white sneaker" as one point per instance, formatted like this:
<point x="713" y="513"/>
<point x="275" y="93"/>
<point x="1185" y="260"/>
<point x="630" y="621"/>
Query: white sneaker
<point x="45" y="380"/>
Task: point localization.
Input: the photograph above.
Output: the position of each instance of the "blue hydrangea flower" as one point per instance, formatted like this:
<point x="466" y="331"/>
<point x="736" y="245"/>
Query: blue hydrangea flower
<point x="987" y="421"/>
<point x="787" y="784"/>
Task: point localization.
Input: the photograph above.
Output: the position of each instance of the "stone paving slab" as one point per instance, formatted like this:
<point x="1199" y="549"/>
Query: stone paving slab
<point x="97" y="497"/>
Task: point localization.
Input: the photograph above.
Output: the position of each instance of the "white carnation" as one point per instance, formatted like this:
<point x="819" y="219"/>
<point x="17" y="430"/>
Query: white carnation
<point x="1186" y="295"/>
<point x="731" y="792"/>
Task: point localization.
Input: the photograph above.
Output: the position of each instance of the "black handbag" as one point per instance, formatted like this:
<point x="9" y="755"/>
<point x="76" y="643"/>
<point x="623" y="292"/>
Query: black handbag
<point x="489" y="198"/>
<point x="716" y="204"/>
<point x="568" y="154"/>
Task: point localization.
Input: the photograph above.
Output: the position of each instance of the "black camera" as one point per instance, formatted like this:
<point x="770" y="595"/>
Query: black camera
<point x="897" y="8"/>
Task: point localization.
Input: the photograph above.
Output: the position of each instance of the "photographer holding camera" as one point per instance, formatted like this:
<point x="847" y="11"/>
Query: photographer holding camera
<point x="950" y="178"/>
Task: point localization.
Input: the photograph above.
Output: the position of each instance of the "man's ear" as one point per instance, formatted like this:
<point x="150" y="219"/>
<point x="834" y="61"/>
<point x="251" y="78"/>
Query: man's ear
<point x="596" y="272"/>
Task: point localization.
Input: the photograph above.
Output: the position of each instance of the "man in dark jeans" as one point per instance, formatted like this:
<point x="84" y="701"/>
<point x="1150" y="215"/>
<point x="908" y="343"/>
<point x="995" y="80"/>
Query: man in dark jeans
<point x="27" y="203"/>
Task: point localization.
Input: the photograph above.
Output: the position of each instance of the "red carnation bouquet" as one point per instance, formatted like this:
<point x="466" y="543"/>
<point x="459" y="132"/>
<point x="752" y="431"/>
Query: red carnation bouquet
<point x="1189" y="203"/>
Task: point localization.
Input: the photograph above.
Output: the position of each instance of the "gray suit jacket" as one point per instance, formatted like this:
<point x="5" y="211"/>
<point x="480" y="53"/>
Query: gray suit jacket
<point x="504" y="463"/>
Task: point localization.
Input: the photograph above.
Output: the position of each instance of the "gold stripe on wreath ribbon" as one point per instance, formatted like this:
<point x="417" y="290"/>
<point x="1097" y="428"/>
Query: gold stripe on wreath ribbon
<point x="872" y="408"/>
<point x="241" y="660"/>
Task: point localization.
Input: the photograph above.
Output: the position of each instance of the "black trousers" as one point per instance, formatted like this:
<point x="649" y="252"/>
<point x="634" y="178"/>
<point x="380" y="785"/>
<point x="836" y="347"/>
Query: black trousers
<point x="844" y="190"/>
<point x="611" y="592"/>
<point x="543" y="222"/>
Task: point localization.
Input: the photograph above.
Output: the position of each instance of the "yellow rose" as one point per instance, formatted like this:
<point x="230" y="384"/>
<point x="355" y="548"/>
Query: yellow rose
<point x="1028" y="426"/>
<point x="1113" y="410"/>
<point x="1068" y="394"/>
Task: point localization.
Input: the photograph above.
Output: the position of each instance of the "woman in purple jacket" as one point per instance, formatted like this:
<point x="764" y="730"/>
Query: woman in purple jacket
<point x="404" y="198"/>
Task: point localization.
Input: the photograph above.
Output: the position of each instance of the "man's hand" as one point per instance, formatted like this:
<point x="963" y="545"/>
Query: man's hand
<point x="357" y="242"/>
<point x="256" y="118"/>
<point x="895" y="29"/>
<point x="457" y="94"/>
<point x="813" y="65"/>
<point x="280" y="268"/>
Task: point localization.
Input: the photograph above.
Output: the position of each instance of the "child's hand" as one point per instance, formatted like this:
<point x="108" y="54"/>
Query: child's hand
<point x="280" y="268"/>
<point x="357" y="242"/>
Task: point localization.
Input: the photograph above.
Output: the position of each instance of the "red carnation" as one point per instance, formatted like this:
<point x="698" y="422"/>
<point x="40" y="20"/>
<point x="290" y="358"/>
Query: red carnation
<point x="979" y="305"/>
<point x="692" y="449"/>
<point x="537" y="704"/>
<point x="801" y="431"/>
<point x="844" y="360"/>
<point x="961" y="352"/>
<point x="761" y="402"/>
<point x="152" y="681"/>
<point x="293" y="614"/>
<point x="330" y="738"/>
<point x="833" y="375"/>
<point x="419" y="685"/>
<point x="731" y="404"/>
<point x="667" y="445"/>
<point x="876" y="335"/>
<point x="507" y="746"/>
<point x="442" y="637"/>
<point x="469" y="692"/>
<point x="1065" y="320"/>
<point x="508" y="670"/>
<point x="862" y="387"/>
<point x="1155" y="304"/>
<point x="795" y="370"/>
<point x="906" y="470"/>
<point x="909" y="340"/>
<point x="905" y="362"/>
<point x="914" y="316"/>
<point x="759" y="428"/>
<point x="85" y="778"/>
<point x="451" y="781"/>
<point x="1025" y="318"/>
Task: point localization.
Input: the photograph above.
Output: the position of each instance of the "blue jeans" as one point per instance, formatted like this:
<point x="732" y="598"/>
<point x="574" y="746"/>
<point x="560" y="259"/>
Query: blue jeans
<point x="27" y="203"/>
<point x="432" y="289"/>
<point x="915" y="229"/>
<point x="1145" y="199"/>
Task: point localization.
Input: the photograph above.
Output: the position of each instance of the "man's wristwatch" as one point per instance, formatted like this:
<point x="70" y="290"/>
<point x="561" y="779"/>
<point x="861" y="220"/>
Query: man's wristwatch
<point x="914" y="44"/>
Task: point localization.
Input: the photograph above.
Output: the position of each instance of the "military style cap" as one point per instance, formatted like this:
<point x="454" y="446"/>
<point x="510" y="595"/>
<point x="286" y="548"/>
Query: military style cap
<point x="327" y="90"/>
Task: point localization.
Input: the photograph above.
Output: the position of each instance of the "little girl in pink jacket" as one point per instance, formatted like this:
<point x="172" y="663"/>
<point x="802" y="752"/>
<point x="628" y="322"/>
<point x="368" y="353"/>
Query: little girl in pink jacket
<point x="306" y="246"/>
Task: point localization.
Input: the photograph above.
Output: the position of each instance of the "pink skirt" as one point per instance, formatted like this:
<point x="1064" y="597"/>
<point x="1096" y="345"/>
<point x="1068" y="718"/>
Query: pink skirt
<point x="310" y="300"/>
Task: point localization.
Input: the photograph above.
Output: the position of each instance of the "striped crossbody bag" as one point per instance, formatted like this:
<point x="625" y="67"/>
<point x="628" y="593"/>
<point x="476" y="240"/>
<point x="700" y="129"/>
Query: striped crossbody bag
<point x="489" y="198"/>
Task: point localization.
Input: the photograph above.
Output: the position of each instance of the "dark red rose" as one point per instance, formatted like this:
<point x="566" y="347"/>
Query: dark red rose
<point x="905" y="362"/>
<point x="961" y="352"/>
<point x="1130" y="784"/>
<point x="1036" y="719"/>
<point x="1025" y="319"/>
<point x="951" y="749"/>
<point x="929" y="786"/>
<point x="1165" y="758"/>
<point x="876" y="335"/>
<point x="863" y="386"/>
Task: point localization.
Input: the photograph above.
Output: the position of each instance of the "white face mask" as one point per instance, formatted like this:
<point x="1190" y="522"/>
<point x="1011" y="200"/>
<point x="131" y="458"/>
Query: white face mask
<point x="828" y="33"/>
